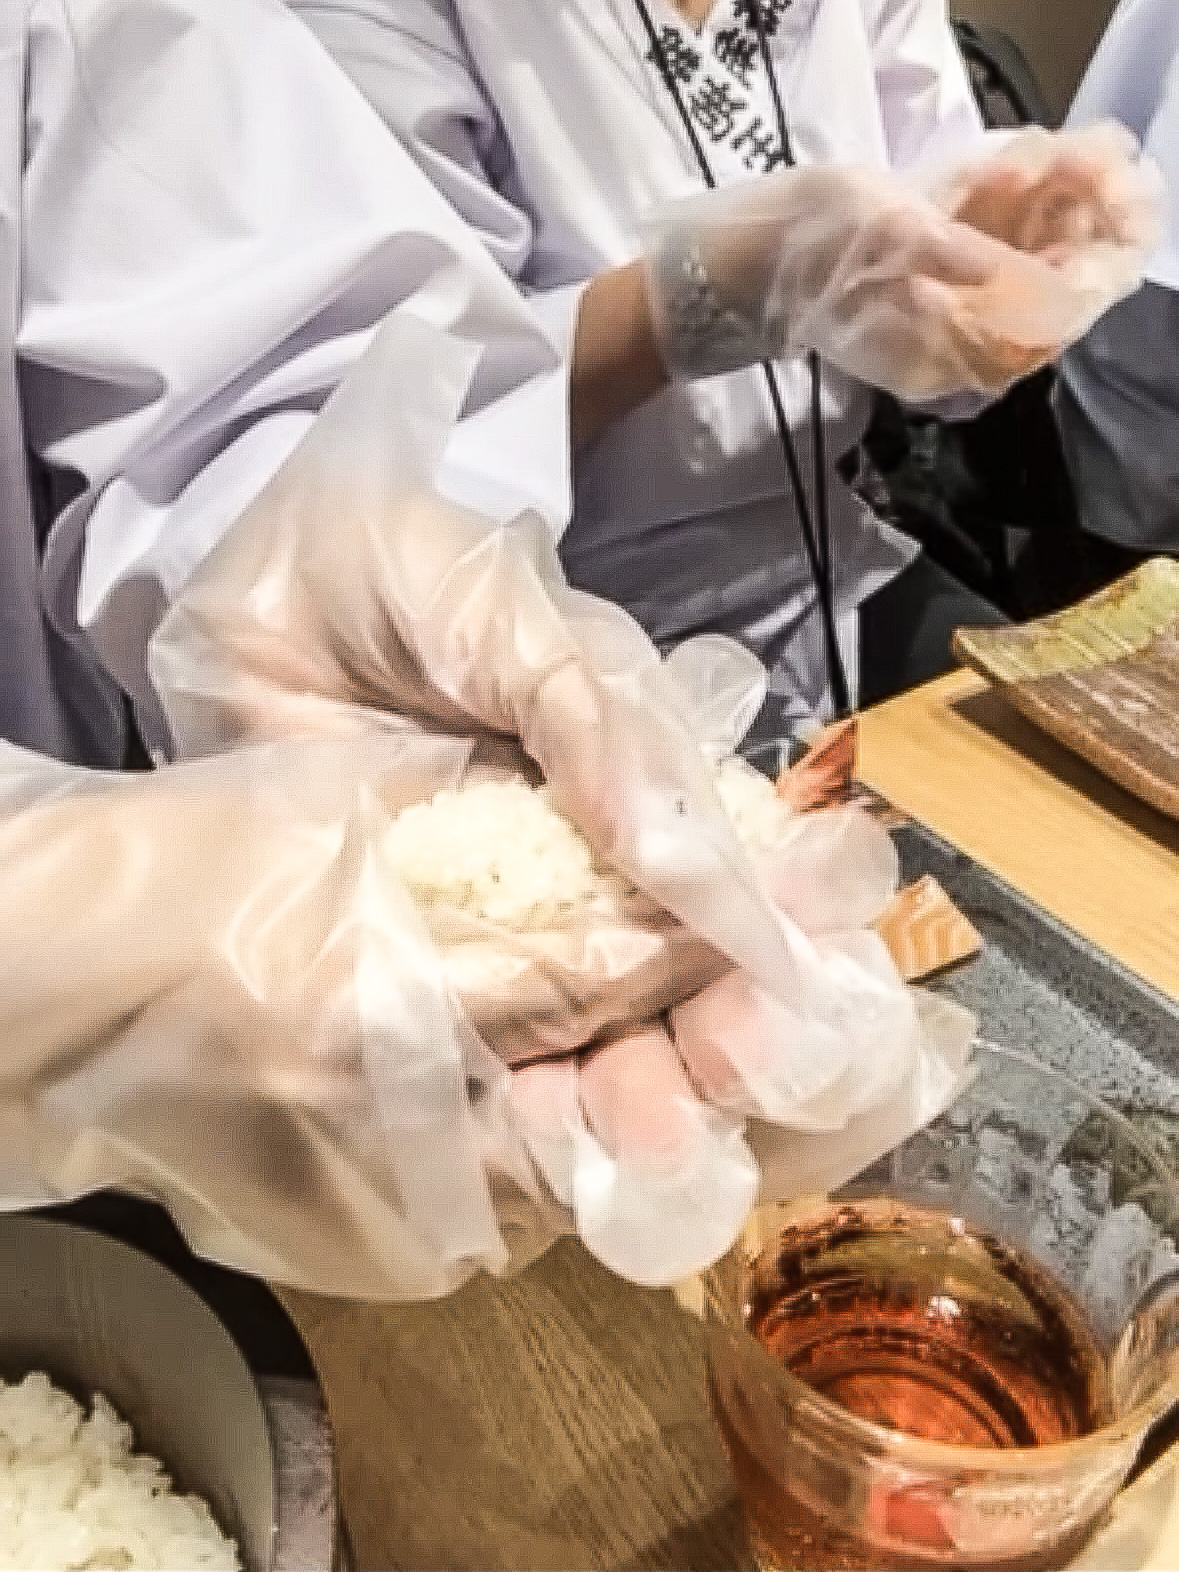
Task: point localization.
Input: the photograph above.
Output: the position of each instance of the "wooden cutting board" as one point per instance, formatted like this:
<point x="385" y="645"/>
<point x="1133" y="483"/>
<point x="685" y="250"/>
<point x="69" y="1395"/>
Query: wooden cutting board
<point x="1101" y="677"/>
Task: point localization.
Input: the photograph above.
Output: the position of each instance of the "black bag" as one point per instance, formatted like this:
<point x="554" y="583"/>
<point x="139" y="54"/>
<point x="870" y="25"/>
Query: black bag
<point x="1004" y="84"/>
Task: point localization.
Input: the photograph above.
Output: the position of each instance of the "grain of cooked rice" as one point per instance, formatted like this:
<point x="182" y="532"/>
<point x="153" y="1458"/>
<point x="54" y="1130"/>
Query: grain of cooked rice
<point x="498" y="850"/>
<point x="760" y="817"/>
<point x="501" y="851"/>
<point x="73" y="1493"/>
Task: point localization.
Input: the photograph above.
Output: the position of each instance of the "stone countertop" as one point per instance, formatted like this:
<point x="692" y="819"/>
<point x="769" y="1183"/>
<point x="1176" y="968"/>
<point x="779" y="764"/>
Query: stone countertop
<point x="1039" y="986"/>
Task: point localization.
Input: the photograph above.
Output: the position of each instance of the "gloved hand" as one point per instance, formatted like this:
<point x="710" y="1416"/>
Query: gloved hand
<point x="895" y="284"/>
<point x="1053" y="194"/>
<point x="349" y="598"/>
<point x="214" y="990"/>
<point x="246" y="1019"/>
<point x="1081" y="202"/>
<point x="659" y="1142"/>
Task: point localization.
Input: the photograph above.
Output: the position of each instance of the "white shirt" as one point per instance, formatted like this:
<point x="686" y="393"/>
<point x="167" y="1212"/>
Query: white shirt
<point x="1134" y="77"/>
<point x="1117" y="399"/>
<point x="551" y="131"/>
<point x="205" y="227"/>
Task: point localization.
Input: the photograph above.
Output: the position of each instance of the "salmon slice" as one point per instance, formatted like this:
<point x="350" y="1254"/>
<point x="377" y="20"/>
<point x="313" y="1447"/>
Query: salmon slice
<point x="826" y="774"/>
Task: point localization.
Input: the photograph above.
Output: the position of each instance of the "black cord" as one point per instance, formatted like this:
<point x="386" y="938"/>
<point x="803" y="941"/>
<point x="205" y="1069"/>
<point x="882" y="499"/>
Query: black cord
<point x="811" y="542"/>
<point x="816" y="543"/>
<point x="659" y="55"/>
<point x="813" y="362"/>
<point x="820" y="466"/>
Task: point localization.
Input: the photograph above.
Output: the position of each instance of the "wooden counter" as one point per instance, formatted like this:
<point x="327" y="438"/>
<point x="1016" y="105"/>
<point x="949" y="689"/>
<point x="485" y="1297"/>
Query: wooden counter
<point x="552" y="1421"/>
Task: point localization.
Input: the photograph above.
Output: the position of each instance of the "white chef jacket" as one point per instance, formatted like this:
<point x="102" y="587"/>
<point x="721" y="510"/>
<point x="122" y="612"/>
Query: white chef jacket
<point x="1117" y="399"/>
<point x="548" y="127"/>
<point x="201" y="225"/>
<point x="1134" y="77"/>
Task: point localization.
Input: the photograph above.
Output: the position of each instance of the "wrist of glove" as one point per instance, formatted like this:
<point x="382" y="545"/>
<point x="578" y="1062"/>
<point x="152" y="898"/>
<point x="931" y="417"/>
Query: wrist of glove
<point x="713" y="263"/>
<point x="700" y="330"/>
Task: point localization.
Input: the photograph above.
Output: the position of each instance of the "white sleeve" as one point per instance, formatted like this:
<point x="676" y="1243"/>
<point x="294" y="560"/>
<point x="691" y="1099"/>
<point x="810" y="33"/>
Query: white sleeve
<point x="215" y="223"/>
<point x="1127" y="77"/>
<point x="1162" y="144"/>
<point x="1134" y="78"/>
<point x="926" y="103"/>
<point x="410" y="60"/>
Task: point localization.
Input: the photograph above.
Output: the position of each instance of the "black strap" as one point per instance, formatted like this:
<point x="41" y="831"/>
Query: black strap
<point x="816" y="542"/>
<point x="659" y="55"/>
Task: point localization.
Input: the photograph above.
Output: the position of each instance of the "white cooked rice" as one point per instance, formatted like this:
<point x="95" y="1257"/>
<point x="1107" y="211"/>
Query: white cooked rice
<point x="73" y="1494"/>
<point x="760" y="817"/>
<point x="500" y="851"/>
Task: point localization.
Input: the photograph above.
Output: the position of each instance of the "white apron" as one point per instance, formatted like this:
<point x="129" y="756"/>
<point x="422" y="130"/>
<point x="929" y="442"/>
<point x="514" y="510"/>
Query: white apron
<point x="548" y="127"/>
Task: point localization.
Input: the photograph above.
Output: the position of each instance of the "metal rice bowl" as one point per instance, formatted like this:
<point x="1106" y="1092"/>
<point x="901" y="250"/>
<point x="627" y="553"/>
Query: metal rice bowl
<point x="97" y="1314"/>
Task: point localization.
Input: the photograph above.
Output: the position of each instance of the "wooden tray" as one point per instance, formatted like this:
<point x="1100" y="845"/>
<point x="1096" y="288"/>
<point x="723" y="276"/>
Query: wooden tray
<point x="1102" y="678"/>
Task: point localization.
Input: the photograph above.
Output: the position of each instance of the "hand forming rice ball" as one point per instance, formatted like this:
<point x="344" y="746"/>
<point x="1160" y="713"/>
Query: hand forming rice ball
<point x="544" y="945"/>
<point x="74" y="1495"/>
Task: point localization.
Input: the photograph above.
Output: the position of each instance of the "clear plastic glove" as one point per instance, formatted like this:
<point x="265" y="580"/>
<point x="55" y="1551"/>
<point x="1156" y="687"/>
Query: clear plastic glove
<point x="658" y="1176"/>
<point x="350" y="598"/>
<point x="1077" y="198"/>
<point x="652" y="1177"/>
<point x="1082" y="203"/>
<point x="215" y="991"/>
<point x="658" y="1143"/>
<point x="350" y="595"/>
<point x="245" y="1017"/>
<point x="894" y="283"/>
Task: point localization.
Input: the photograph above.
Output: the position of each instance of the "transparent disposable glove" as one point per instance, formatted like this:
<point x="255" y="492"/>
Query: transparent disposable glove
<point x="215" y="991"/>
<point x="922" y="286"/>
<point x="1082" y="202"/>
<point x="659" y="1142"/>
<point x="351" y="598"/>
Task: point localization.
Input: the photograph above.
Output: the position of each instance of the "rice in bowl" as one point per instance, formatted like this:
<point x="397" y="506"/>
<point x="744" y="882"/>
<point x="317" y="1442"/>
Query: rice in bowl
<point x="75" y="1495"/>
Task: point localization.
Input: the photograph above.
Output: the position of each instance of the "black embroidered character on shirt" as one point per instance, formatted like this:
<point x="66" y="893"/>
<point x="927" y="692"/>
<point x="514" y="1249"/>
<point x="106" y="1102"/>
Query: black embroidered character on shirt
<point x="675" y="55"/>
<point x="760" y="147"/>
<point x="715" y="109"/>
<point x="770" y="12"/>
<point x="719" y="81"/>
<point x="736" y="49"/>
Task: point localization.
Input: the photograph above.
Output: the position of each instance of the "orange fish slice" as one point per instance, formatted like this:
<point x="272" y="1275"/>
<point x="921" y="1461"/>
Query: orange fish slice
<point x="826" y="774"/>
<point x="925" y="932"/>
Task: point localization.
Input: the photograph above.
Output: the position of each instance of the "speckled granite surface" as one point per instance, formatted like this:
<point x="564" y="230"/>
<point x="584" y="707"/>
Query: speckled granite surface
<point x="1039" y="987"/>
